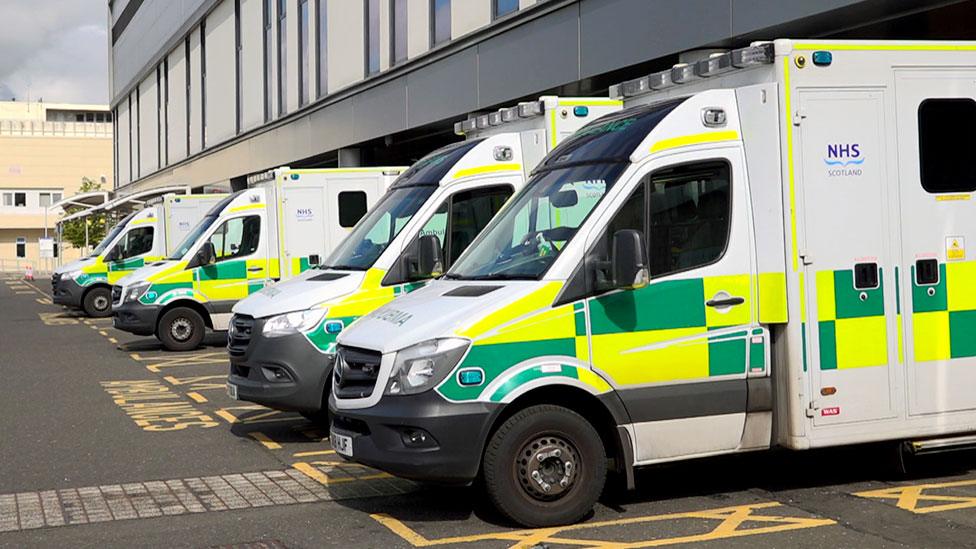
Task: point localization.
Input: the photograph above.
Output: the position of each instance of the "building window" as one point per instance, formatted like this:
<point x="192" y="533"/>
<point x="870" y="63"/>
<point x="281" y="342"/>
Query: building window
<point x="302" y="52"/>
<point x="321" y="47"/>
<point x="203" y="84"/>
<point x="372" y="36"/>
<point x="56" y="197"/>
<point x="282" y="56"/>
<point x="129" y="143"/>
<point x="268" y="74"/>
<point x="159" y="114"/>
<point x="238" y="68"/>
<point x="44" y="200"/>
<point x="945" y="145"/>
<point x="79" y="118"/>
<point x="352" y="207"/>
<point x="21" y="247"/>
<point x="440" y="16"/>
<point x="166" y="110"/>
<point x="398" y="31"/>
<point x="186" y="57"/>
<point x="138" y="133"/>
<point x="501" y="8"/>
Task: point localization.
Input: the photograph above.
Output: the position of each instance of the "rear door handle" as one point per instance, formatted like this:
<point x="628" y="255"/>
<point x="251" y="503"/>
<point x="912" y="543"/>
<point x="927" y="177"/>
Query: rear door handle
<point x="726" y="302"/>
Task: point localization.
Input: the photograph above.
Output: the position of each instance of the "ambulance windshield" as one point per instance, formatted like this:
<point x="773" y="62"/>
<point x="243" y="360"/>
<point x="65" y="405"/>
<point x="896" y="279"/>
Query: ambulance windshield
<point x="381" y="225"/>
<point x="201" y="228"/>
<point x="528" y="235"/>
<point x="111" y="236"/>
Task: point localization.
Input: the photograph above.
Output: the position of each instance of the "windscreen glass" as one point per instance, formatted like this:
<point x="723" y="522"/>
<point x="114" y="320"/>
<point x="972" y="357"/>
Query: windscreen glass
<point x="201" y="228"/>
<point x="382" y="224"/>
<point x="111" y="236"/>
<point x="528" y="236"/>
<point x="431" y="169"/>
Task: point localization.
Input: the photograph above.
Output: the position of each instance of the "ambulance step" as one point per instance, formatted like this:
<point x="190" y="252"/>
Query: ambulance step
<point x="934" y="445"/>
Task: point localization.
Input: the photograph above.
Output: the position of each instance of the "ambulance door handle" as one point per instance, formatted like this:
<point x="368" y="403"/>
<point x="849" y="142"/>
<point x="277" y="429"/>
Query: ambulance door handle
<point x="725" y="302"/>
<point x="254" y="269"/>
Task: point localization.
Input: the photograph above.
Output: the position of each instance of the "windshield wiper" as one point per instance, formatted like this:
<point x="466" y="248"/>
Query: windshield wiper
<point x="344" y="267"/>
<point x="450" y="276"/>
<point x="499" y="276"/>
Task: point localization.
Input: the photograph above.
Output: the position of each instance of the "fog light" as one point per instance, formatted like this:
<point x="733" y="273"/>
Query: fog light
<point x="275" y="374"/>
<point x="417" y="438"/>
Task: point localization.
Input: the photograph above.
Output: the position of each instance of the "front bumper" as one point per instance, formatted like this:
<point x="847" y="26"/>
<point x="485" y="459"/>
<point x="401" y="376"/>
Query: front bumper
<point x="459" y="432"/>
<point x="136" y="318"/>
<point x="306" y="370"/>
<point x="67" y="292"/>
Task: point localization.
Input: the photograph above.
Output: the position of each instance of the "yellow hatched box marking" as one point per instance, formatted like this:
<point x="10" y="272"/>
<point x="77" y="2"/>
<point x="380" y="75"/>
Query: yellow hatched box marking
<point x="910" y="498"/>
<point x="861" y="342"/>
<point x="613" y="353"/>
<point x="930" y="333"/>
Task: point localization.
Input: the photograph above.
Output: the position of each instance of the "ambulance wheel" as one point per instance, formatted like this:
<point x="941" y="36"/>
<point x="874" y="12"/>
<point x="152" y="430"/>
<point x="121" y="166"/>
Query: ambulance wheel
<point x="545" y="466"/>
<point x="181" y="329"/>
<point x="97" y="302"/>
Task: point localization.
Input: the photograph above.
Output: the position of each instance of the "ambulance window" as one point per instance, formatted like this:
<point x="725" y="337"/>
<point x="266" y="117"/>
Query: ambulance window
<point x="136" y="242"/>
<point x="689" y="217"/>
<point x="945" y="143"/>
<point x="352" y="207"/>
<point x="437" y="224"/>
<point x="237" y="237"/>
<point x="470" y="213"/>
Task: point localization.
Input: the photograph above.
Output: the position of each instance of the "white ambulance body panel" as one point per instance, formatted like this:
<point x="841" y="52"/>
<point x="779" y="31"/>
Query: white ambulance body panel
<point x="861" y="210"/>
<point x="181" y="213"/>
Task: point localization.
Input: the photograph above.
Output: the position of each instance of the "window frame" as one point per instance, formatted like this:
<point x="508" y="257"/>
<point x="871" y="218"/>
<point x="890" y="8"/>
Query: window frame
<point x="321" y="48"/>
<point x="433" y="24"/>
<point x="339" y="206"/>
<point x="394" y="21"/>
<point x="496" y="15"/>
<point x="304" y="53"/>
<point x="921" y="148"/>
<point x="257" y="248"/>
<point x="281" y="17"/>
<point x="122" y="243"/>
<point x="369" y="35"/>
<point x="18" y="242"/>
<point x="15" y="194"/>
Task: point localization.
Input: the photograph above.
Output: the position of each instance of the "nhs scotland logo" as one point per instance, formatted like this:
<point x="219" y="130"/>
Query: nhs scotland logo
<point x="844" y="159"/>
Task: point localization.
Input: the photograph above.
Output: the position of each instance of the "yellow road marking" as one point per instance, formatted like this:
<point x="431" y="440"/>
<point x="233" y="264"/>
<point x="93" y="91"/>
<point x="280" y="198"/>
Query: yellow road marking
<point x="318" y="476"/>
<point x="315" y="453"/>
<point x="200" y="359"/>
<point x="113" y="340"/>
<point x="909" y="497"/>
<point x="197" y="397"/>
<point x="265" y="440"/>
<point x="227" y="416"/>
<point x="103" y="332"/>
<point x="200" y="383"/>
<point x="44" y="301"/>
<point x="730" y="519"/>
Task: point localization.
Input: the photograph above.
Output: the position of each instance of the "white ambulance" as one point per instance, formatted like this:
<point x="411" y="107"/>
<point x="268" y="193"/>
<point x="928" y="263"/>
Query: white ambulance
<point x="765" y="248"/>
<point x="277" y="228"/>
<point x="282" y="340"/>
<point x="141" y="237"/>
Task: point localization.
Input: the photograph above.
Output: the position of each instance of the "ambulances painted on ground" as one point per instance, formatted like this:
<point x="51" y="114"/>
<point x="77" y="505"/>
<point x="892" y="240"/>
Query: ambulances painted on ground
<point x="765" y="248"/>
<point x="282" y="340"/>
<point x="142" y="237"/>
<point x="278" y="228"/>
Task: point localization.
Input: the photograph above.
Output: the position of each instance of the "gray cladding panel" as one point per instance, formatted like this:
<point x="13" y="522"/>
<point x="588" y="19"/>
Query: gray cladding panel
<point x="539" y="55"/>
<point x="331" y="127"/>
<point x="381" y="110"/>
<point x="753" y="15"/>
<point x="618" y="33"/>
<point x="445" y="89"/>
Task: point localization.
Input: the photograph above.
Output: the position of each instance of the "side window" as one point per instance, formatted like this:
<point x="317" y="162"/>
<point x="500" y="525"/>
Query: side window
<point x="437" y="224"/>
<point x="470" y="213"/>
<point x="352" y="207"/>
<point x="690" y="213"/>
<point x="136" y="242"/>
<point x="238" y="237"/>
<point x="945" y="141"/>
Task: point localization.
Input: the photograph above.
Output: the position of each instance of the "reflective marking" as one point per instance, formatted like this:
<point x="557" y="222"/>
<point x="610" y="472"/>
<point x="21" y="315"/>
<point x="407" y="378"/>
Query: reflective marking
<point x="480" y="170"/>
<point x="696" y="139"/>
<point x="265" y="440"/>
<point x="910" y="497"/>
<point x="730" y="519"/>
<point x="138" y="500"/>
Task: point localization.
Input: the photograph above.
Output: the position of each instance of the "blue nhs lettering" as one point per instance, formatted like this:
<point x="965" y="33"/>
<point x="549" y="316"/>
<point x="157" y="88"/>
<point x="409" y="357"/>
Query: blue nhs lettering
<point x="844" y="159"/>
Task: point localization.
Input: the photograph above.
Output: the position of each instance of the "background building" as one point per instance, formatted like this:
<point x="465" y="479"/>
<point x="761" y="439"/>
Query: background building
<point x="45" y="151"/>
<point x="208" y="91"/>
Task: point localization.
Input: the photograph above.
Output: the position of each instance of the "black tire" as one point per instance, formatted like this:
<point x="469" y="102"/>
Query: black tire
<point x="97" y="302"/>
<point x="181" y="329"/>
<point x="321" y="418"/>
<point x="511" y="457"/>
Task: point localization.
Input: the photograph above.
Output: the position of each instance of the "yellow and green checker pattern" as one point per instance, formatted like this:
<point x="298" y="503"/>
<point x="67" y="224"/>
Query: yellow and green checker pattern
<point x="944" y="314"/>
<point x="112" y="271"/>
<point x="851" y="323"/>
<point x="223" y="281"/>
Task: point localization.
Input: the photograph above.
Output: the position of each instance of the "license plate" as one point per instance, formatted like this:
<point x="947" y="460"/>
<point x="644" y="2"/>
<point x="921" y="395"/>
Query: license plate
<point x="341" y="444"/>
<point x="232" y="391"/>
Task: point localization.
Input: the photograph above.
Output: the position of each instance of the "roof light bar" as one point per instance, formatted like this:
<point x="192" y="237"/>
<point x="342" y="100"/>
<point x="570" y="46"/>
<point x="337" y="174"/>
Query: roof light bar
<point x="481" y="122"/>
<point x="714" y="65"/>
<point x="529" y="109"/>
<point x="494" y="118"/>
<point x="757" y="54"/>
<point x="253" y="179"/>
<point x="682" y="73"/>
<point x="509" y="114"/>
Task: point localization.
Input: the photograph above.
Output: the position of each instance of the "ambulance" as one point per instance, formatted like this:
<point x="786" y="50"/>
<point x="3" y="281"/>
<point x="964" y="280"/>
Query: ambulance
<point x="277" y="228"/>
<point x="765" y="248"/>
<point x="140" y="238"/>
<point x="282" y="340"/>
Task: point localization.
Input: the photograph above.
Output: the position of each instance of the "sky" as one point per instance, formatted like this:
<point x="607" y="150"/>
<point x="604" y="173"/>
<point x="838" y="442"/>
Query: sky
<point x="54" y="49"/>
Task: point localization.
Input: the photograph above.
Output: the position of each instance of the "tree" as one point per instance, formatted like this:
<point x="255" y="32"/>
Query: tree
<point x="73" y="232"/>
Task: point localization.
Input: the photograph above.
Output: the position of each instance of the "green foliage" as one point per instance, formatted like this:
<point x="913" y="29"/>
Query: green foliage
<point x="73" y="232"/>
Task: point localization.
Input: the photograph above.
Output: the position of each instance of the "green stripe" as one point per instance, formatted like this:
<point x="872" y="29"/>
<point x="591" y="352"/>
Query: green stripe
<point x="526" y="376"/>
<point x="727" y="357"/>
<point x="226" y="270"/>
<point x="495" y="359"/>
<point x="962" y="334"/>
<point x="661" y="306"/>
<point x="828" y="345"/>
<point x="324" y="341"/>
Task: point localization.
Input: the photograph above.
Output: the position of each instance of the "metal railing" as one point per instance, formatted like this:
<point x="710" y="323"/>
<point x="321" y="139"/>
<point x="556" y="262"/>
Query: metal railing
<point x="43" y="128"/>
<point x="40" y="267"/>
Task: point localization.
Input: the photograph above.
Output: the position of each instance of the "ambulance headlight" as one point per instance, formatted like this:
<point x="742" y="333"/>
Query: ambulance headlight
<point x="135" y="291"/>
<point x="293" y="323"/>
<point x="422" y="366"/>
<point x="71" y="275"/>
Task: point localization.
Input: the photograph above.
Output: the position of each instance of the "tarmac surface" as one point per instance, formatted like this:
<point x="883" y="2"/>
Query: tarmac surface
<point x="106" y="440"/>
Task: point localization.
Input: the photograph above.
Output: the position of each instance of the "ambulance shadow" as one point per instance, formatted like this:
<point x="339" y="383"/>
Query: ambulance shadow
<point x="431" y="504"/>
<point x="210" y="342"/>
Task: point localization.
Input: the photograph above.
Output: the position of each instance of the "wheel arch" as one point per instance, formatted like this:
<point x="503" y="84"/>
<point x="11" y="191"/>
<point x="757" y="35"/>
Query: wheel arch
<point x="189" y="304"/>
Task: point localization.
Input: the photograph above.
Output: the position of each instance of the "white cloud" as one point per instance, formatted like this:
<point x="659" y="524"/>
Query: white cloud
<point x="55" y="49"/>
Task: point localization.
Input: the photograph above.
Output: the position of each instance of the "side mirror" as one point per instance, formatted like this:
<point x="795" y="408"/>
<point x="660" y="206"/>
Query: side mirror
<point x="206" y="255"/>
<point x="430" y="256"/>
<point x="629" y="261"/>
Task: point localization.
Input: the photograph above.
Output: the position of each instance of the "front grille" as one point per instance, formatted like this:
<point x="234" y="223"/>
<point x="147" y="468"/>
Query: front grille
<point x="239" y="335"/>
<point x="55" y="278"/>
<point x="355" y="372"/>
<point x="117" y="294"/>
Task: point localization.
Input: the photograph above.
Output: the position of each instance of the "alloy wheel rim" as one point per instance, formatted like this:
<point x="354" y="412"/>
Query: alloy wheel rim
<point x="547" y="467"/>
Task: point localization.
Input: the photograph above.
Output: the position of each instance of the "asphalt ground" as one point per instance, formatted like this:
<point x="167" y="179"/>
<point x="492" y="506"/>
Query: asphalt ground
<point x="108" y="441"/>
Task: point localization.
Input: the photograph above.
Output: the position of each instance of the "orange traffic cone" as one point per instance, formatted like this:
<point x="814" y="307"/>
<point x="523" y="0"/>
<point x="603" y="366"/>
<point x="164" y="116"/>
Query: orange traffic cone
<point x="29" y="274"/>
